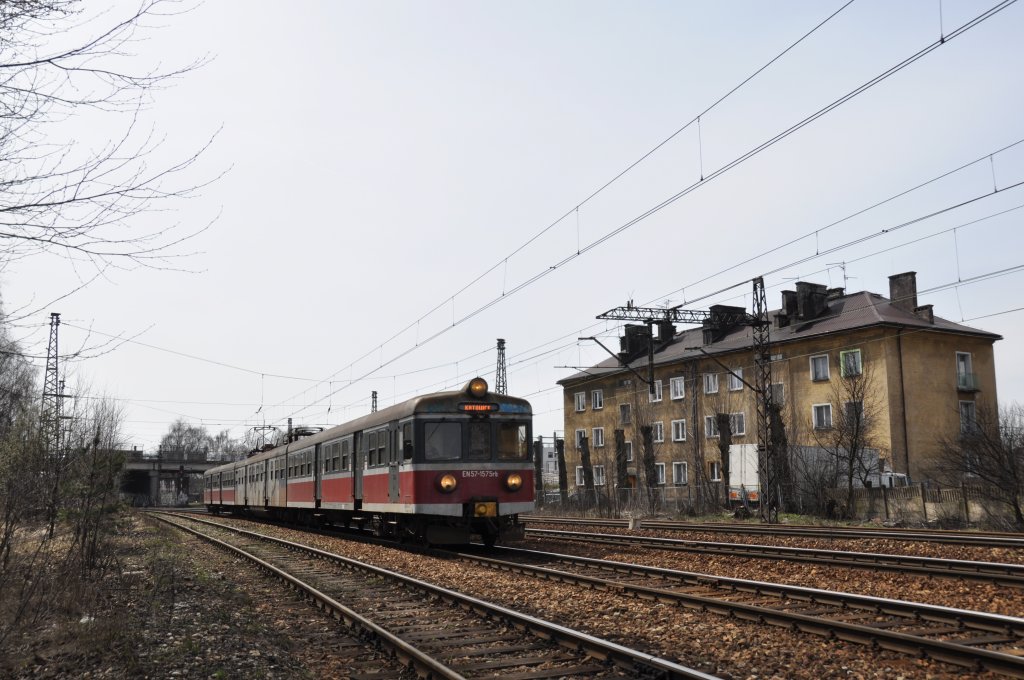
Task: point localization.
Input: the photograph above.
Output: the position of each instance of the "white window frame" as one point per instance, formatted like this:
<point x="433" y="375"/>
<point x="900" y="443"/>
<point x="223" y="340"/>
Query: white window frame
<point x="657" y="394"/>
<point x="846" y="411"/>
<point x="599" y="478"/>
<point x="676" y="476"/>
<point x="816" y="378"/>
<point x="711" y="427"/>
<point x="658" y="431"/>
<point x="679" y="430"/>
<point x="965" y="379"/>
<point x="715" y="470"/>
<point x="659" y="469"/>
<point x="677" y="388"/>
<point x="597" y="400"/>
<point x="629" y="451"/>
<point x="736" y="381"/>
<point x="842" y="362"/>
<point x="579" y="432"/>
<point x="581" y="402"/>
<point x="580" y="480"/>
<point x="814" y="416"/>
<point x="597" y="439"/>
<point x="736" y="419"/>
<point x="710" y="383"/>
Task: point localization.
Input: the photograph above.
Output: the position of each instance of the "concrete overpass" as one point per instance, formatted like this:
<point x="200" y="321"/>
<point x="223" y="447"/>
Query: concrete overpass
<point x="165" y="476"/>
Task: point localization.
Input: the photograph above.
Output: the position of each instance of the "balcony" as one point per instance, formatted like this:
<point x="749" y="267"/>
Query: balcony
<point x="967" y="382"/>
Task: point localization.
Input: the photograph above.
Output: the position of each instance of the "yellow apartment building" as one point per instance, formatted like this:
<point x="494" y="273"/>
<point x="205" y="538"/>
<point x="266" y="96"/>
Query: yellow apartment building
<point x="922" y="378"/>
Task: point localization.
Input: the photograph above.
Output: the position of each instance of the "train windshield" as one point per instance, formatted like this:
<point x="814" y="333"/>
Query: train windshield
<point x="512" y="442"/>
<point x="442" y="441"/>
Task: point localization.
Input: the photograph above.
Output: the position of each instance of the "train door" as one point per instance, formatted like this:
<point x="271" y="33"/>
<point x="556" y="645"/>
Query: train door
<point x="394" y="459"/>
<point x="265" y="481"/>
<point x="358" y="461"/>
<point x="318" y="473"/>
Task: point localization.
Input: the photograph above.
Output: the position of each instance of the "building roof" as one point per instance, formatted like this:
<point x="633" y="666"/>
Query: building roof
<point x="845" y="313"/>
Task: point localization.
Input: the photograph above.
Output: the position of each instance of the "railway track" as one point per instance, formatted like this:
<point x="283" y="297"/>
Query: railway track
<point x="1009" y="575"/>
<point x="978" y="539"/>
<point x="439" y="632"/>
<point x="974" y="640"/>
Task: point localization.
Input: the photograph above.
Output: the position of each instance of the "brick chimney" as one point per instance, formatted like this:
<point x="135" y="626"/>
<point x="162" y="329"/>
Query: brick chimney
<point x="903" y="291"/>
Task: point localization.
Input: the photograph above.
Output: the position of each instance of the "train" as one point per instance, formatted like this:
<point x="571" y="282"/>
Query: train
<point x="436" y="469"/>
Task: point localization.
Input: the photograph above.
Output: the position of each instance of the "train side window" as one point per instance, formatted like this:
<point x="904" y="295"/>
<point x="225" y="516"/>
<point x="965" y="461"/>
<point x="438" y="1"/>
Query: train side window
<point x="371" y="458"/>
<point x="442" y="441"/>
<point x="479" y="441"/>
<point x="407" y="448"/>
<point x="513" y="443"/>
<point x="382" y="448"/>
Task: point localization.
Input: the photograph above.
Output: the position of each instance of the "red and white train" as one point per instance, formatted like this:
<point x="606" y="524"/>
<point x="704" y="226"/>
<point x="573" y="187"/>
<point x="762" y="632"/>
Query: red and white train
<point x="436" y="468"/>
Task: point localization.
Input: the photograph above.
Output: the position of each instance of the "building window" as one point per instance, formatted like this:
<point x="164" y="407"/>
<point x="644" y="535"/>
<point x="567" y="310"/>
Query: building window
<point x="736" y="380"/>
<point x="779" y="393"/>
<point x="710" y="383"/>
<point x="580" y="436"/>
<point x="716" y="471"/>
<point x="677" y="387"/>
<point x="968" y="417"/>
<point x="822" y="415"/>
<point x="629" y="452"/>
<point x="581" y="401"/>
<point x="660" y="469"/>
<point x="659" y="431"/>
<point x="710" y="426"/>
<point x="680" y="475"/>
<point x="965" y="377"/>
<point x="579" y="476"/>
<point x="849" y="361"/>
<point x="655" y="394"/>
<point x="625" y="416"/>
<point x="819" y="367"/>
<point x="598" y="475"/>
<point x="598" y="437"/>
<point x="597" y="400"/>
<point x="738" y="424"/>
<point x="679" y="430"/>
<point x="854" y="414"/>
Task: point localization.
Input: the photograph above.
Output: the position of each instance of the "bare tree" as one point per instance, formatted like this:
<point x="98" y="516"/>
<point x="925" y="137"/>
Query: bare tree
<point x="988" y="458"/>
<point x="643" y="419"/>
<point x="848" y="439"/>
<point x="77" y="166"/>
<point x="185" y="440"/>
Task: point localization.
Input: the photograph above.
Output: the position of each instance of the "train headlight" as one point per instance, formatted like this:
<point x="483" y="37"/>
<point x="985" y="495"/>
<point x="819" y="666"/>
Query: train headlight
<point x="477" y="388"/>
<point x="447" y="483"/>
<point x="514" y="482"/>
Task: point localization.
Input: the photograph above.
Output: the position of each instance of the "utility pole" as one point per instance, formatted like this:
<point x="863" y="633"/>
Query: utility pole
<point x="51" y="422"/>
<point x="373" y="401"/>
<point x="500" y="376"/>
<point x="52" y="393"/>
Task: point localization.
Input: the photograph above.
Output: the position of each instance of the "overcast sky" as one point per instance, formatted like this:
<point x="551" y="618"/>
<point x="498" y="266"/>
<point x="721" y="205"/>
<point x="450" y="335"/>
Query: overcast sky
<point x="390" y="166"/>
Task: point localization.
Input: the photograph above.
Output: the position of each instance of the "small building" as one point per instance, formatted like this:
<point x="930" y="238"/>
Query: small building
<point x="908" y="378"/>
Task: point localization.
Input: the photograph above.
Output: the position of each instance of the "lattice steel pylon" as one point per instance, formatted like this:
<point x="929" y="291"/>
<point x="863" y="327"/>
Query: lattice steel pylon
<point x="500" y="374"/>
<point x="760" y="323"/>
<point x="373" y="401"/>
<point x="766" y="455"/>
<point x="50" y="423"/>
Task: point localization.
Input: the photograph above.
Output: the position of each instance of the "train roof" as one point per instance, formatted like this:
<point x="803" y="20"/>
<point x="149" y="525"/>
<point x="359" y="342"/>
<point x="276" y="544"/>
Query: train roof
<point x="425" y="403"/>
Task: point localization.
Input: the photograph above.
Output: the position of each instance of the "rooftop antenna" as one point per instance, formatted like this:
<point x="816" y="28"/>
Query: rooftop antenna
<point x="500" y="375"/>
<point x="841" y="265"/>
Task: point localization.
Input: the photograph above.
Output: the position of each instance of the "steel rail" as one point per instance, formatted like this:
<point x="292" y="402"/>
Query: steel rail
<point x="1009" y="575"/>
<point x="402" y="650"/>
<point x="990" y="539"/>
<point x="956" y="619"/>
<point x="621" y="656"/>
